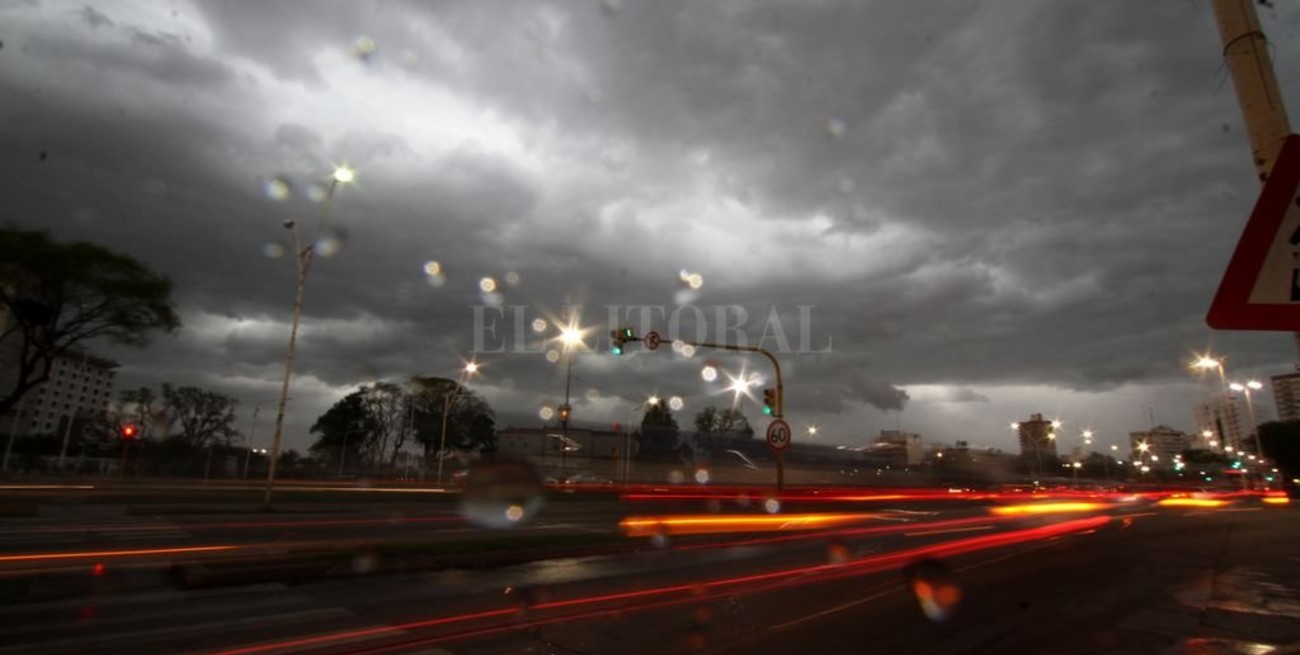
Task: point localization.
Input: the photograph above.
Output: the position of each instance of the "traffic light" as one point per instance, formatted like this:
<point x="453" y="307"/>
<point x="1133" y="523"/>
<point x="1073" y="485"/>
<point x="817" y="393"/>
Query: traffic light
<point x="771" y="402"/>
<point x="620" y="337"/>
<point x="128" y="432"/>
<point x="564" y="413"/>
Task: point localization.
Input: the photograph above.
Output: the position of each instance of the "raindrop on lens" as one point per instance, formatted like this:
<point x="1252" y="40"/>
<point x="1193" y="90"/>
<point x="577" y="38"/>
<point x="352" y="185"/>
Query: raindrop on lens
<point x="702" y="476"/>
<point x="539" y="325"/>
<point x="488" y="285"/>
<point x="709" y="373"/>
<point x="316" y="193"/>
<point x="552" y="356"/>
<point x="277" y="188"/>
<point x="501" y="493"/>
<point x="364" y="48"/>
<point x="432" y="267"/>
<point x="935" y="587"/>
<point x="771" y="506"/>
<point x="836" y="128"/>
<point x="492" y="299"/>
<point x="676" y="477"/>
<point x="675" y="403"/>
<point x="329" y="244"/>
<point x="436" y="281"/>
<point x="512" y="278"/>
<point x="546" y="413"/>
<point x="273" y="250"/>
<point x="688" y="350"/>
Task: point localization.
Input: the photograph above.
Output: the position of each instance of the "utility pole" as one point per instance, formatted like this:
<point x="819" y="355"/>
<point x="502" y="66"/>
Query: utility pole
<point x="1245" y="51"/>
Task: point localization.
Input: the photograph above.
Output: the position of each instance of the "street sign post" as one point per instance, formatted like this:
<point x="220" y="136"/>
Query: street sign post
<point x="1261" y="288"/>
<point x="651" y="340"/>
<point x="778" y="435"/>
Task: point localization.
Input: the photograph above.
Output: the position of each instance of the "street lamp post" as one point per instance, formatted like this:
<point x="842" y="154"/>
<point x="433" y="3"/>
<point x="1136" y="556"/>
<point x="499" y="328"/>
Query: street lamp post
<point x="302" y="264"/>
<point x="252" y="431"/>
<point x="1246" y="388"/>
<point x="570" y="336"/>
<point x="468" y="370"/>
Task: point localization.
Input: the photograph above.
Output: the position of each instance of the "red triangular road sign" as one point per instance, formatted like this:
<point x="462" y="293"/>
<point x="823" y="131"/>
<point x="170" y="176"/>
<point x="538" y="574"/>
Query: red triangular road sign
<point x="1261" y="288"/>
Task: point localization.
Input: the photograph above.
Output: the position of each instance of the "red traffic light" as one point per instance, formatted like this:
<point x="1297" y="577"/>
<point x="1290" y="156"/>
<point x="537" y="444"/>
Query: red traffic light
<point x="128" y="432"/>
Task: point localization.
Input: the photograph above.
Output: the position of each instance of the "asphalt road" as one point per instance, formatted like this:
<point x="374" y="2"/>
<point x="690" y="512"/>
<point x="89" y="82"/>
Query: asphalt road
<point x="1126" y="578"/>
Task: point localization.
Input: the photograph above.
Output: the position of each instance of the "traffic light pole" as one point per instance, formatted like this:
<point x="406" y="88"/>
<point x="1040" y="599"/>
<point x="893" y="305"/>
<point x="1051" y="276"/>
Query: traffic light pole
<point x="778" y="411"/>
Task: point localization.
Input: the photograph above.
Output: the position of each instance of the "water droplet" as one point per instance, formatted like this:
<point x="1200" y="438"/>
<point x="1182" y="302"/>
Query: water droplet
<point x="836" y="128"/>
<point x="512" y="278"/>
<point x="277" y="188"/>
<point x="364" y="48"/>
<point x="676" y="477"/>
<point x="273" y="250"/>
<point x="837" y="553"/>
<point x="677" y="345"/>
<point x="675" y="403"/>
<point x="688" y="350"/>
<point x="364" y="563"/>
<point x="487" y="284"/>
<point x="936" y="588"/>
<point x="552" y="356"/>
<point x="492" y="299"/>
<point x="316" y="192"/>
<point x="771" y="506"/>
<point x="695" y="281"/>
<point x="436" y="281"/>
<point x="546" y="413"/>
<point x="702" y="476"/>
<point x="539" y="325"/>
<point x="330" y="243"/>
<point x="709" y="373"/>
<point x="501" y="493"/>
<point x="432" y="267"/>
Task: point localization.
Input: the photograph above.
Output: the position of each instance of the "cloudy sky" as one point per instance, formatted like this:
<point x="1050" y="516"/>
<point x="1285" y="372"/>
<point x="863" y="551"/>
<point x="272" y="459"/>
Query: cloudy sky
<point x="983" y="210"/>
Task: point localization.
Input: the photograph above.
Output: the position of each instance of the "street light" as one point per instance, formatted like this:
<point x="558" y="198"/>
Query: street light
<point x="252" y="431"/>
<point x="1252" y="385"/>
<point x="570" y="337"/>
<point x="469" y="369"/>
<point x="812" y="430"/>
<point x="302" y="264"/>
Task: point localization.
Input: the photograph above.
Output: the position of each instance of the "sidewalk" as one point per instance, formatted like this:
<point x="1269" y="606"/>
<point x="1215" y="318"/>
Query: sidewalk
<point x="1248" y="603"/>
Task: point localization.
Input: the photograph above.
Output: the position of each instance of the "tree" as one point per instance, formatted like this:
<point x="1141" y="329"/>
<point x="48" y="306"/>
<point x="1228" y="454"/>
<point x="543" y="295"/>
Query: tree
<point x="384" y="403"/>
<point x="203" y="417"/>
<point x="1281" y="443"/>
<point x="61" y="295"/>
<point x="471" y="423"/>
<point x="659" y="416"/>
<point x="727" y="421"/>
<point x="346" y="425"/>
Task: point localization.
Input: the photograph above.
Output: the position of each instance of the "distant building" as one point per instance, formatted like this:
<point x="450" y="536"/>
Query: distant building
<point x="1286" y="394"/>
<point x="906" y="446"/>
<point x="1037" y="437"/>
<point x="1224" y="417"/>
<point x="80" y="387"/>
<point x="1163" y="442"/>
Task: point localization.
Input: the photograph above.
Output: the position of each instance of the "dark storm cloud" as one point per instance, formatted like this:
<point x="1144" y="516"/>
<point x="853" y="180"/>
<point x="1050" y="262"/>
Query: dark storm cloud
<point x="969" y="195"/>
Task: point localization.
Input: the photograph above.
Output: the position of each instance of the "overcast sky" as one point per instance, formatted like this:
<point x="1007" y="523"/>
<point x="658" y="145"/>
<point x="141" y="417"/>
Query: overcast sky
<point x="983" y="209"/>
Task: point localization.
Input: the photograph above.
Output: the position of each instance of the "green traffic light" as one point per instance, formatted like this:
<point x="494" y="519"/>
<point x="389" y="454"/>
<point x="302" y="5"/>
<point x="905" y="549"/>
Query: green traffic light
<point x="617" y="350"/>
<point x="767" y="410"/>
<point x="627" y="332"/>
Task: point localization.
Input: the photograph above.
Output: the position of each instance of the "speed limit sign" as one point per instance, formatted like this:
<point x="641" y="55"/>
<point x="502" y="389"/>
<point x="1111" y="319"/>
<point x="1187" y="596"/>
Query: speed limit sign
<point x="651" y="340"/>
<point x="778" y="434"/>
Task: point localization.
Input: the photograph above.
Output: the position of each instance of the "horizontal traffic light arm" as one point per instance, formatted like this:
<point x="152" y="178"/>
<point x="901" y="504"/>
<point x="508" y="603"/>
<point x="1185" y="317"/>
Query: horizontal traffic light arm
<point x="779" y="410"/>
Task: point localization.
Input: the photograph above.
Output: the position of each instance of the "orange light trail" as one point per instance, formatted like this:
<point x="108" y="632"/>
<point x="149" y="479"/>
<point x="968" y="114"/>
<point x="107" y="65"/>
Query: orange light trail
<point x="95" y="554"/>
<point x="1191" y="502"/>
<point x="637" y="526"/>
<point x="1276" y="500"/>
<point x="1046" y="508"/>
